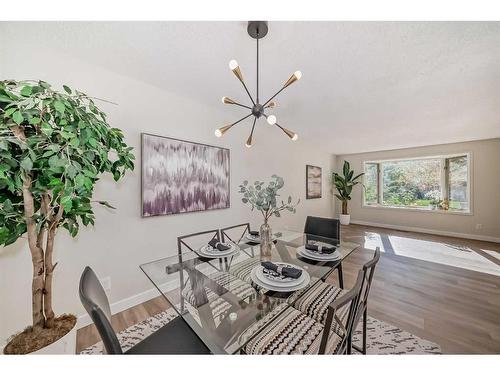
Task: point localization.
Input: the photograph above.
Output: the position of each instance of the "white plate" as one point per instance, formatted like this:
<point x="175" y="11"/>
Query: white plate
<point x="208" y="252"/>
<point x="256" y="280"/>
<point x="251" y="238"/>
<point x="286" y="282"/>
<point x="302" y="251"/>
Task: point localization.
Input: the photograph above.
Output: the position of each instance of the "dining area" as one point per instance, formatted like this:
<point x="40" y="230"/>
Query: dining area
<point x="233" y="293"/>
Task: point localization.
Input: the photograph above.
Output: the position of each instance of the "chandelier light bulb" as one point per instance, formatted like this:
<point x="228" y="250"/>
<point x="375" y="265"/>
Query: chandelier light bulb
<point x="271" y="105"/>
<point x="295" y="137"/>
<point x="248" y="144"/>
<point x="271" y="120"/>
<point x="233" y="64"/>
<point x="298" y="74"/>
<point x="218" y="133"/>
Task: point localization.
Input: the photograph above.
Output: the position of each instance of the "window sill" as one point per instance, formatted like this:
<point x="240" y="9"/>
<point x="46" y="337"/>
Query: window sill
<point x="419" y="209"/>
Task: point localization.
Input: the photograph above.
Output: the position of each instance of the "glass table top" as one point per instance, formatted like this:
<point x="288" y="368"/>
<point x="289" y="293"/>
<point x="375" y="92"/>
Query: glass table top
<point x="218" y="298"/>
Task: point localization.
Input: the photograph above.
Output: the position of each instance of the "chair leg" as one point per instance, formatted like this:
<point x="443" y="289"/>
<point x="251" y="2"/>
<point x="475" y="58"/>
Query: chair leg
<point x="365" y="316"/>
<point x="341" y="276"/>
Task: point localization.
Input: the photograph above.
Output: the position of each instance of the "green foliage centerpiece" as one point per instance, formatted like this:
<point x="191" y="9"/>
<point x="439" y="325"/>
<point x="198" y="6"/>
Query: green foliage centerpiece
<point x="53" y="148"/>
<point x="265" y="199"/>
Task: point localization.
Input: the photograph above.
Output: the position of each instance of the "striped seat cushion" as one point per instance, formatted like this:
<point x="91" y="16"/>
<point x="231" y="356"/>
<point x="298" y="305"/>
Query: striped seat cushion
<point x="292" y="333"/>
<point x="315" y="301"/>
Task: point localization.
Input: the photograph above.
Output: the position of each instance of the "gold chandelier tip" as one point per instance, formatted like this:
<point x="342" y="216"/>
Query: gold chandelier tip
<point x="293" y="136"/>
<point x="220" y="132"/>
<point x="293" y="78"/>
<point x="233" y="65"/>
<point x="227" y="100"/>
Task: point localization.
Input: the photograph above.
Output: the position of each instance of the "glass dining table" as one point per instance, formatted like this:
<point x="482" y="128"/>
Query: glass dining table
<point x="219" y="299"/>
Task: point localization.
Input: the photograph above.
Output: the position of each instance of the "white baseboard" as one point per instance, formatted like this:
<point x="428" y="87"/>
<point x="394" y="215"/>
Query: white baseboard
<point x="127" y="303"/>
<point x="429" y="231"/>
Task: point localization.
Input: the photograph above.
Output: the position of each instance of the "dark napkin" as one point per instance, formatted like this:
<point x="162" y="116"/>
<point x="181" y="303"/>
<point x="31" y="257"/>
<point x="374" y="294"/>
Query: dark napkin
<point x="254" y="233"/>
<point x="294" y="273"/>
<point x="218" y="245"/>
<point x="324" y="249"/>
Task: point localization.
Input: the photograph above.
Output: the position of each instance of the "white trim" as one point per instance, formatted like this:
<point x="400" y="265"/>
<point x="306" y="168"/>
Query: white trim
<point x="127" y="303"/>
<point x="429" y="231"/>
<point x="419" y="209"/>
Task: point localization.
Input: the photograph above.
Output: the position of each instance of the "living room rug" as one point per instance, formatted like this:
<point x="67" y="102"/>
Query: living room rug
<point x="382" y="338"/>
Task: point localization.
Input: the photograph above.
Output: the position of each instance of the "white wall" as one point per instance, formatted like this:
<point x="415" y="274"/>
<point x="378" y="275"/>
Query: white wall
<point x="122" y="240"/>
<point x="485" y="193"/>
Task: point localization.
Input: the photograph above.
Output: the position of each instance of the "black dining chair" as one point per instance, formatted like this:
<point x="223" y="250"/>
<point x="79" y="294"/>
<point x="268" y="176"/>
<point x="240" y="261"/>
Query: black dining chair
<point x="323" y="226"/>
<point x="315" y="301"/>
<point x="176" y="337"/>
<point x="329" y="229"/>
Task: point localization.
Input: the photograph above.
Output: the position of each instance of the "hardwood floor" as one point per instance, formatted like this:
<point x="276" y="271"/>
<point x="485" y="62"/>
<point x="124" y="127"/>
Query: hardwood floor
<point x="443" y="289"/>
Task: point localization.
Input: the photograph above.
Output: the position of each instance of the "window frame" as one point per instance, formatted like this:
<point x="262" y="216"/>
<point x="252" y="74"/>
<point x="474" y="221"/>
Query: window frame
<point x="444" y="183"/>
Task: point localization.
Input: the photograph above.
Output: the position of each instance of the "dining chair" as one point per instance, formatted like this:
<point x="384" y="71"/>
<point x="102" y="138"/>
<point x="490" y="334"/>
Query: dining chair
<point x="226" y="232"/>
<point x="323" y="226"/>
<point x="328" y="228"/>
<point x="176" y="337"/>
<point x="297" y="333"/>
<point x="204" y="236"/>
<point x="315" y="301"/>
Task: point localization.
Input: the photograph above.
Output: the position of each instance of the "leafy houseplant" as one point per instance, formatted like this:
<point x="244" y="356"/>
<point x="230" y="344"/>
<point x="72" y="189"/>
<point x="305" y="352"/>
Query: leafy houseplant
<point x="344" y="184"/>
<point x="264" y="199"/>
<point x="53" y="148"/>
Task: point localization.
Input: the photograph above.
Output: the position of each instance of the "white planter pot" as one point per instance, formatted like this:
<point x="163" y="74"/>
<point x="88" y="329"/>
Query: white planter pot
<point x="345" y="219"/>
<point x="65" y="345"/>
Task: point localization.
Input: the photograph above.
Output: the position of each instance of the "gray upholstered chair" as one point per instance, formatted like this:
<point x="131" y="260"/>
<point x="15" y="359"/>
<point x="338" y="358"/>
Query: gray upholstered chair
<point x="294" y="332"/>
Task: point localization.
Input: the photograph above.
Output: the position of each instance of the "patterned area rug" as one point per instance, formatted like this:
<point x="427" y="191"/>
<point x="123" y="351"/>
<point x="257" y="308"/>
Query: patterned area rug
<point x="382" y="337"/>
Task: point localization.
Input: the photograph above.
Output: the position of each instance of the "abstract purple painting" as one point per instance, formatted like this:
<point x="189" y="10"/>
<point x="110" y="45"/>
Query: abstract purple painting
<point x="180" y="176"/>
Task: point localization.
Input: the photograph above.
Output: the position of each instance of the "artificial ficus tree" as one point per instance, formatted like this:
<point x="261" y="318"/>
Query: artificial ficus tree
<point x="53" y="148"/>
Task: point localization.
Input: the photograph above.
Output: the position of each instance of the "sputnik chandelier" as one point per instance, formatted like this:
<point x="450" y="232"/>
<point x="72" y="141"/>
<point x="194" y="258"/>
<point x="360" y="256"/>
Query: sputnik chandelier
<point x="257" y="30"/>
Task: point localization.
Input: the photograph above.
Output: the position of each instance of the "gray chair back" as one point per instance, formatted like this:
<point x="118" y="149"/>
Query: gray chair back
<point x="95" y="302"/>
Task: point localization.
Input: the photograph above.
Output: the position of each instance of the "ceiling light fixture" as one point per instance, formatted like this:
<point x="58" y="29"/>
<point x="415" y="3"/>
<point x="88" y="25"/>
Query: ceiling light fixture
<point x="257" y="30"/>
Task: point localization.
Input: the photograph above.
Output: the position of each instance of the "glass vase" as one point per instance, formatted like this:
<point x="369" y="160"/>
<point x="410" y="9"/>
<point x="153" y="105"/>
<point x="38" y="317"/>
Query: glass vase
<point x="265" y="242"/>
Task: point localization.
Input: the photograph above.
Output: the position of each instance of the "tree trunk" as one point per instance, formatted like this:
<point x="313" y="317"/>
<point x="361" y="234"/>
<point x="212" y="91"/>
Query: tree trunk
<point x="37" y="258"/>
<point x="344" y="208"/>
<point x="49" y="266"/>
<point x="49" y="269"/>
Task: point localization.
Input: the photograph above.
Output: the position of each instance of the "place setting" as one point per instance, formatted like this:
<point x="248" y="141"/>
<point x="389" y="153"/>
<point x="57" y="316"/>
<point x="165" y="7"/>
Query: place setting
<point x="319" y="251"/>
<point x="280" y="276"/>
<point x="216" y="249"/>
<point x="254" y="236"/>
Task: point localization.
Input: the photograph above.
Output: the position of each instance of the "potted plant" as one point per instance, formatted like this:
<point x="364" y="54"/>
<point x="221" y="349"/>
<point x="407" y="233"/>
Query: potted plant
<point x="53" y="148"/>
<point x="264" y="199"/>
<point x="344" y="184"/>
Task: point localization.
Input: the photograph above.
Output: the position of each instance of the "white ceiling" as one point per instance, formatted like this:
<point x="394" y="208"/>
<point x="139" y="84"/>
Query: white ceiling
<point x="366" y="86"/>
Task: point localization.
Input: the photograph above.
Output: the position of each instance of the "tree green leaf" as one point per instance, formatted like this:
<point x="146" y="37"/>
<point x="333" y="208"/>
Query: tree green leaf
<point x="59" y="106"/>
<point x="67" y="89"/>
<point x="26" y="90"/>
<point x="17" y="117"/>
<point x="26" y="164"/>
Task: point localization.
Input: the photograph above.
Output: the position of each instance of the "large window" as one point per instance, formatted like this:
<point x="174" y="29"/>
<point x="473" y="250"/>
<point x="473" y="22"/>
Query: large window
<point x="434" y="183"/>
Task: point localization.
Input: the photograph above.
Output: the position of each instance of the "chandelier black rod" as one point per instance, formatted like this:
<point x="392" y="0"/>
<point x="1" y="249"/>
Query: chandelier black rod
<point x="241" y="119"/>
<point x="257" y="66"/>
<point x="272" y="97"/>
<point x="248" y="92"/>
<point x="242" y="105"/>
<point x="253" y="126"/>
